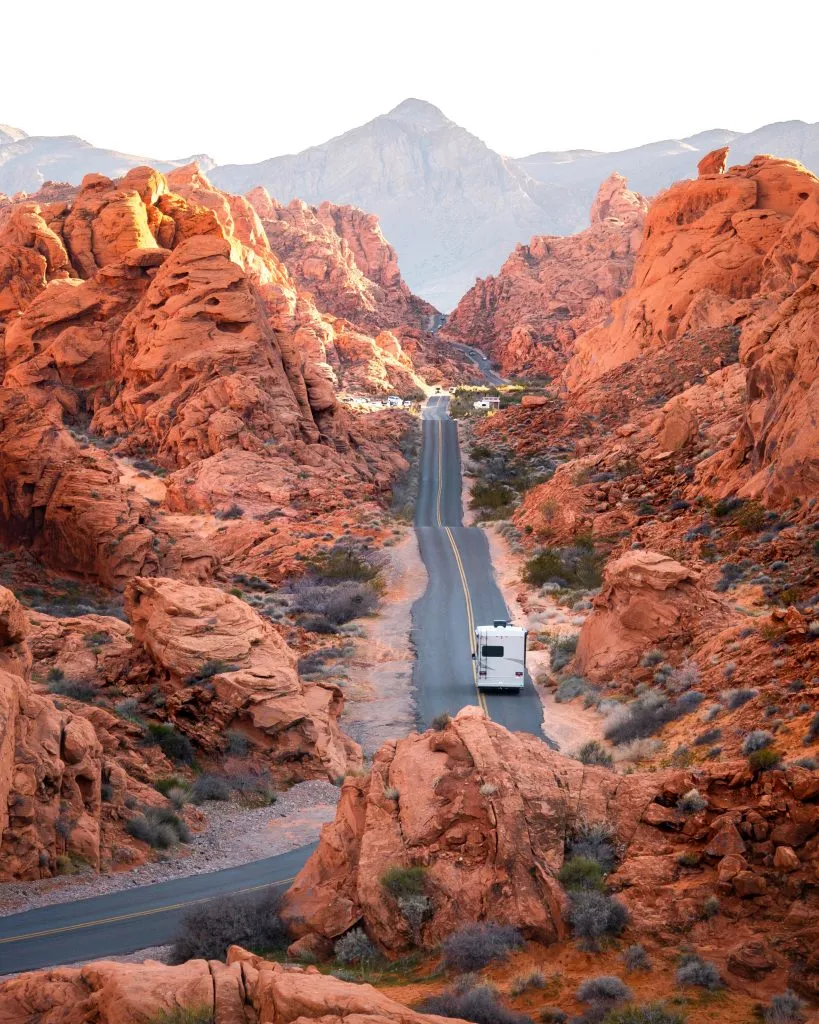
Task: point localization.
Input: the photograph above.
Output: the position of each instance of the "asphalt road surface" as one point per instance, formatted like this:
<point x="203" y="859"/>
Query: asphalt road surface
<point x="477" y="357"/>
<point x="131" y="919"/>
<point x="461" y="593"/>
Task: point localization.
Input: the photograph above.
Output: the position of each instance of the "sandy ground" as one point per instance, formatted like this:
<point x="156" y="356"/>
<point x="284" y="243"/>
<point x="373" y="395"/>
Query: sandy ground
<point x="380" y="704"/>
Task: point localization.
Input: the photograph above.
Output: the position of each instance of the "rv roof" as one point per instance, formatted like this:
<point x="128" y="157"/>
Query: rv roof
<point x="501" y="630"/>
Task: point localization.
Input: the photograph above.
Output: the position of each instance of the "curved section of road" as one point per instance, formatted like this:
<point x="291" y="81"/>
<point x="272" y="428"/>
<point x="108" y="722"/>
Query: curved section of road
<point x="462" y="592"/>
<point x="474" y="355"/>
<point x="121" y="922"/>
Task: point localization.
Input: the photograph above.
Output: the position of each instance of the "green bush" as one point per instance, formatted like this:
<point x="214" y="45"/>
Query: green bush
<point x="401" y="882"/>
<point x="73" y="688"/>
<point x="174" y="745"/>
<point x="342" y="563"/>
<point x="645" y="1013"/>
<point x="765" y="759"/>
<point x="594" y="752"/>
<point x="490" y="497"/>
<point x="184" y="1015"/>
<point x="581" y="873"/>
<point x="159" y="827"/>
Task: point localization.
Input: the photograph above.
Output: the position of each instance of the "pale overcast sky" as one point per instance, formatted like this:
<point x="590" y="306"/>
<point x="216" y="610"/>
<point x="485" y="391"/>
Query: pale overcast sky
<point x="243" y="81"/>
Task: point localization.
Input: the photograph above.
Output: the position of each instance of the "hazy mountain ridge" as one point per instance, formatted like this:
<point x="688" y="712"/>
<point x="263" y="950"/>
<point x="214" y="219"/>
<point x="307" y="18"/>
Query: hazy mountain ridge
<point x="452" y="207"/>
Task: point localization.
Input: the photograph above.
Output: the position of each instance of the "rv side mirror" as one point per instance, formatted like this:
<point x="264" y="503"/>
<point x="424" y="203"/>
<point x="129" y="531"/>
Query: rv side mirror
<point x="473" y="655"/>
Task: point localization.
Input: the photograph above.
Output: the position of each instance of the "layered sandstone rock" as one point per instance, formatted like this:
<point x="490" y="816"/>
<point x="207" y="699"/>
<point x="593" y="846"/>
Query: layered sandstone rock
<point x="250" y="683"/>
<point x="647" y="599"/>
<point x="553" y="289"/>
<point x="245" y="990"/>
<point x="735" y="250"/>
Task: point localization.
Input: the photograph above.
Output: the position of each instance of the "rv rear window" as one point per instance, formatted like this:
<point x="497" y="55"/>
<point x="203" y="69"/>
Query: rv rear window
<point x="492" y="651"/>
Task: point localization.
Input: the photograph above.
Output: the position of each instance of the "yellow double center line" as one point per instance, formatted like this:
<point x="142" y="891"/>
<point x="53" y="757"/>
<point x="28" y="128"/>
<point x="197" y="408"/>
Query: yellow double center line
<point x="470" y="615"/>
<point x="135" y="914"/>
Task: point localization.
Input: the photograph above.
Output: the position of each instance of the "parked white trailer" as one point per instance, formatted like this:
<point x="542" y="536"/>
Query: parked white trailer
<point x="500" y="656"/>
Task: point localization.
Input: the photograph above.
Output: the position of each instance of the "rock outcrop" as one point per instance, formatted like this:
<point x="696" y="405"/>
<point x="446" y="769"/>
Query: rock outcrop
<point x="340" y="255"/>
<point x="245" y="990"/>
<point x="250" y="683"/>
<point x="486" y="814"/>
<point x="53" y="763"/>
<point x="737" y="250"/>
<point x="553" y="289"/>
<point x="648" y="599"/>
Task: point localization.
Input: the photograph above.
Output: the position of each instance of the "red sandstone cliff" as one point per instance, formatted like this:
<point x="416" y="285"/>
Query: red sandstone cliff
<point x="553" y="289"/>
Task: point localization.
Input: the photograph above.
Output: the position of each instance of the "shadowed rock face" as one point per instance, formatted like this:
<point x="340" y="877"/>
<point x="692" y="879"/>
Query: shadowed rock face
<point x="486" y="813"/>
<point x="245" y="990"/>
<point x="553" y="289"/>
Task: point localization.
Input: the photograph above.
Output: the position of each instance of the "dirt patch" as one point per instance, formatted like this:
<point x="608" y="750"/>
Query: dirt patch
<point x="380" y="704"/>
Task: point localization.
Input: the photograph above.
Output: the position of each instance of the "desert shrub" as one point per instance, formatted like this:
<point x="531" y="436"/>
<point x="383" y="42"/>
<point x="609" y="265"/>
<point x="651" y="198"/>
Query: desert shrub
<point x="635" y="958"/>
<point x="710" y="908"/>
<point x="174" y="744"/>
<point x="476" y="945"/>
<point x="765" y="759"/>
<point x="343" y="564"/>
<point x="812" y="735"/>
<point x="645" y="1013"/>
<point x="606" y="988"/>
<point x="595" y="916"/>
<point x="689" y="859"/>
<point x="581" y="873"/>
<point x="440" y="721"/>
<point x="76" y="689"/>
<point x="553" y="1015"/>
<point x="336" y="603"/>
<point x="638" y="750"/>
<point x="647" y="714"/>
<point x="166" y="783"/>
<point x="210" y="787"/>
<point x="757" y="740"/>
<point x="237" y="743"/>
<point x="735" y="698"/>
<point x="160" y="827"/>
<point x="692" y="802"/>
<point x="488" y="789"/>
<point x="233" y="512"/>
<point x="400" y="881"/>
<point x="595" y="841"/>
<point x="683" y="677"/>
<point x="184" y="1015"/>
<point x="705" y="739"/>
<point x="478" y="1004"/>
<point x="653" y="657"/>
<point x="106" y="792"/>
<point x="575" y="566"/>
<point x="355" y="948"/>
<point x="750" y="517"/>
<point x="129" y="710"/>
<point x="391" y="793"/>
<point x="570" y="688"/>
<point x="562" y="650"/>
<point x="699" y="972"/>
<point x="595" y="753"/>
<point x="492" y="497"/>
<point x="250" y="920"/>
<point x="178" y="797"/>
<point x="784" y="1008"/>
<point x="534" y="980"/>
<point x="811" y="763"/>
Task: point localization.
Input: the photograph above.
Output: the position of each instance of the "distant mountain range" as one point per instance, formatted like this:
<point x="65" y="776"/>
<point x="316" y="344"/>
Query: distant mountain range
<point x="452" y="207"/>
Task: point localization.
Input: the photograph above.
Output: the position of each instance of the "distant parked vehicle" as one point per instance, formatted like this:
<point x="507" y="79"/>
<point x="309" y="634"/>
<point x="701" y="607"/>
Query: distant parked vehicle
<point x="500" y="656"/>
<point x="394" y="402"/>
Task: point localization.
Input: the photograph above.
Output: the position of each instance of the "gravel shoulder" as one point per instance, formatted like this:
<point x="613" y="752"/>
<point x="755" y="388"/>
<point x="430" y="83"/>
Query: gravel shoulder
<point x="233" y="835"/>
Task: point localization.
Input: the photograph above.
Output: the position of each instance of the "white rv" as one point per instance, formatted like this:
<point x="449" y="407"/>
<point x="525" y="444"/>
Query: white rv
<point x="500" y="656"/>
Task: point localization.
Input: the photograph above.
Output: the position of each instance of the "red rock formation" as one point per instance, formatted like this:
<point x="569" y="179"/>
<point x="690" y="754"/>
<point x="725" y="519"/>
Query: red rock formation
<point x="256" y="689"/>
<point x="52" y="765"/>
<point x="647" y="600"/>
<point x="340" y="255"/>
<point x="733" y="249"/>
<point x="553" y="289"/>
<point x="245" y="990"/>
<point x="486" y="812"/>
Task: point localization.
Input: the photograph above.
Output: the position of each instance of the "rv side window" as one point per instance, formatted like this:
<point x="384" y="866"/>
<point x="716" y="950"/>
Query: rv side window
<point x="491" y="651"/>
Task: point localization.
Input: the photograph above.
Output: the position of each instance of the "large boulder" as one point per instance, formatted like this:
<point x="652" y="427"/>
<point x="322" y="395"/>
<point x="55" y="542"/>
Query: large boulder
<point x="647" y="599"/>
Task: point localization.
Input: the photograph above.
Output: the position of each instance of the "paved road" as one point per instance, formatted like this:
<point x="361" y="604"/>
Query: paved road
<point x="461" y="593"/>
<point x="477" y="357"/>
<point x="131" y="919"/>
